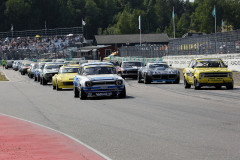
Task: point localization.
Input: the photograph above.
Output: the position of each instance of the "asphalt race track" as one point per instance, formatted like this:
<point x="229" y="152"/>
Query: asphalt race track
<point x="154" y="122"/>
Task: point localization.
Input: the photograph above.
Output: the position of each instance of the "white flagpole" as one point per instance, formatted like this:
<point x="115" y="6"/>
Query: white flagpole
<point x="215" y="19"/>
<point x="45" y="27"/>
<point x="139" y="19"/>
<point x="12" y="29"/>
<point x="173" y="23"/>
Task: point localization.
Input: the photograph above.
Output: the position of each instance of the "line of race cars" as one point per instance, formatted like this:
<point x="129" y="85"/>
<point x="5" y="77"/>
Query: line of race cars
<point x="98" y="79"/>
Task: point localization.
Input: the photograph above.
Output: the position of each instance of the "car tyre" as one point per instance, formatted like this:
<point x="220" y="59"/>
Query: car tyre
<point x="76" y="92"/>
<point x="57" y="88"/>
<point x="123" y="93"/>
<point x="230" y="86"/>
<point x="41" y="80"/>
<point x="196" y="84"/>
<point x="139" y="78"/>
<point x="186" y="84"/>
<point x="35" y="78"/>
<point x="177" y="81"/>
<point x="83" y="95"/>
<point x="218" y="87"/>
<point x="146" y="80"/>
<point x="44" y="81"/>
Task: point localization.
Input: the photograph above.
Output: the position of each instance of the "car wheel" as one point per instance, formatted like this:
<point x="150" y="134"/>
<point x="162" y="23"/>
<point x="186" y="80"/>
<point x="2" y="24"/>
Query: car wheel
<point x="146" y="80"/>
<point x="177" y="81"/>
<point x="196" y="84"/>
<point x="76" y="92"/>
<point x="122" y="94"/>
<point x="218" y="87"/>
<point x="54" y="87"/>
<point x="186" y="84"/>
<point x="122" y="76"/>
<point x="57" y="88"/>
<point x="230" y="86"/>
<point x="40" y="80"/>
<point x="139" y="78"/>
<point x="83" y="95"/>
<point x="44" y="81"/>
<point x="35" y="78"/>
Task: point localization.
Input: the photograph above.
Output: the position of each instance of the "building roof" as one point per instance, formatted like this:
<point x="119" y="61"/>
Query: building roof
<point x="132" y="38"/>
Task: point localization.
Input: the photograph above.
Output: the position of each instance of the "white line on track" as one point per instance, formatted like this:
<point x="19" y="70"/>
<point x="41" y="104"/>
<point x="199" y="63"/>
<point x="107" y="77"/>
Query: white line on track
<point x="85" y="145"/>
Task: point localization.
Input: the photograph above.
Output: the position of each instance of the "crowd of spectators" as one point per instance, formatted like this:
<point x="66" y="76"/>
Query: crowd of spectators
<point x="50" y="43"/>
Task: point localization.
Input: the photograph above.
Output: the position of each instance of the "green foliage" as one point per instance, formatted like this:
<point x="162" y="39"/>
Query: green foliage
<point x="119" y="16"/>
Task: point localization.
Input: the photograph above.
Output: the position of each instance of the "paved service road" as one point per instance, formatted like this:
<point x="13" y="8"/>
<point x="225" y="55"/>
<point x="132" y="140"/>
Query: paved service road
<point x="154" y="122"/>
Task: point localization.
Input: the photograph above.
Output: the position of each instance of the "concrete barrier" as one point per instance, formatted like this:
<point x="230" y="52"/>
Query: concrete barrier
<point x="232" y="60"/>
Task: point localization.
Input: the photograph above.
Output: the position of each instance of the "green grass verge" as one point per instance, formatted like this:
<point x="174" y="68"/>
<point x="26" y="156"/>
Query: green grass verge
<point x="2" y="77"/>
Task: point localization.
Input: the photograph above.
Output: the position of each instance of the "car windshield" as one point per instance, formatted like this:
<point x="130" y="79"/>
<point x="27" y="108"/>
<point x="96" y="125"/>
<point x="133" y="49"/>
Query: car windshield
<point x="209" y="64"/>
<point x="99" y="70"/>
<point x="132" y="64"/>
<point x="115" y="63"/>
<point x="68" y="70"/>
<point x="152" y="66"/>
<point x="35" y="66"/>
<point x="52" y="67"/>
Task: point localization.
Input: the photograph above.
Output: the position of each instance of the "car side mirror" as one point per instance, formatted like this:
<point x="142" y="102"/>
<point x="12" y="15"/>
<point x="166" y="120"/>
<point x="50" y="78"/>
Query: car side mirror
<point x="193" y="67"/>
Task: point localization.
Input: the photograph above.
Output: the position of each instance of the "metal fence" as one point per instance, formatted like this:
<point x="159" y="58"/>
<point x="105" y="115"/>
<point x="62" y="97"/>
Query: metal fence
<point x="144" y="51"/>
<point x="42" y="32"/>
<point x="219" y="43"/>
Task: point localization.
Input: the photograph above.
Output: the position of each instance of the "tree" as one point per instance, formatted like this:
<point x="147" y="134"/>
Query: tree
<point x="17" y="13"/>
<point x="92" y="18"/>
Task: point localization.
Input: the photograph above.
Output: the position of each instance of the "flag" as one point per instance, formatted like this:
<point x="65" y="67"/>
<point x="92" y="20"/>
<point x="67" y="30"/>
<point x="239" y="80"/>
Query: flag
<point x="223" y="23"/>
<point x="11" y="27"/>
<point x="173" y="13"/>
<point x="83" y="22"/>
<point x="214" y="12"/>
<point x="139" y="20"/>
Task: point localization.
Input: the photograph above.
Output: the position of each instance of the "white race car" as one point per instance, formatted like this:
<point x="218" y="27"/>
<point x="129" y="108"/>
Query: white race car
<point x="97" y="80"/>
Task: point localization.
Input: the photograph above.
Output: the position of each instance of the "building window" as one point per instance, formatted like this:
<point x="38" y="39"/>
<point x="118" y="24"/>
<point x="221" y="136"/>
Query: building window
<point x="107" y="52"/>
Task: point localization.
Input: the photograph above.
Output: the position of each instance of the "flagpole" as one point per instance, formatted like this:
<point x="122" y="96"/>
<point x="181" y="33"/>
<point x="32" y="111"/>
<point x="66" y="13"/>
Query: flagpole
<point x="140" y="28"/>
<point x="215" y="29"/>
<point x="215" y="20"/>
<point x="173" y="24"/>
<point x="12" y="29"/>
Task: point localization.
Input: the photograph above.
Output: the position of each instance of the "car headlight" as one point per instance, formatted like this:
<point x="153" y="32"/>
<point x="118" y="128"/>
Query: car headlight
<point x="88" y="84"/>
<point x="119" y="82"/>
<point x="201" y="75"/>
<point x="230" y="75"/>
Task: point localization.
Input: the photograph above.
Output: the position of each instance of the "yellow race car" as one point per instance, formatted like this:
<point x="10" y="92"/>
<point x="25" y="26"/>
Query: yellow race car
<point x="64" y="78"/>
<point x="207" y="72"/>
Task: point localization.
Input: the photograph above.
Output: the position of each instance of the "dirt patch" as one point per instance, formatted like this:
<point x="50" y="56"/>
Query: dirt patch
<point x="236" y="77"/>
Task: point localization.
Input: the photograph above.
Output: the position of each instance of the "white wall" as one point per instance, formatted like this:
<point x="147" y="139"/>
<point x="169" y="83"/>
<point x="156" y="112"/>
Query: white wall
<point x="232" y="60"/>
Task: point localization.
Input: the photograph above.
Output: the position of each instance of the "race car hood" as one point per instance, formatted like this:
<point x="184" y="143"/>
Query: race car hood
<point x="131" y="68"/>
<point x="103" y="77"/>
<point x="164" y="70"/>
<point x="67" y="76"/>
<point x="51" y="70"/>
